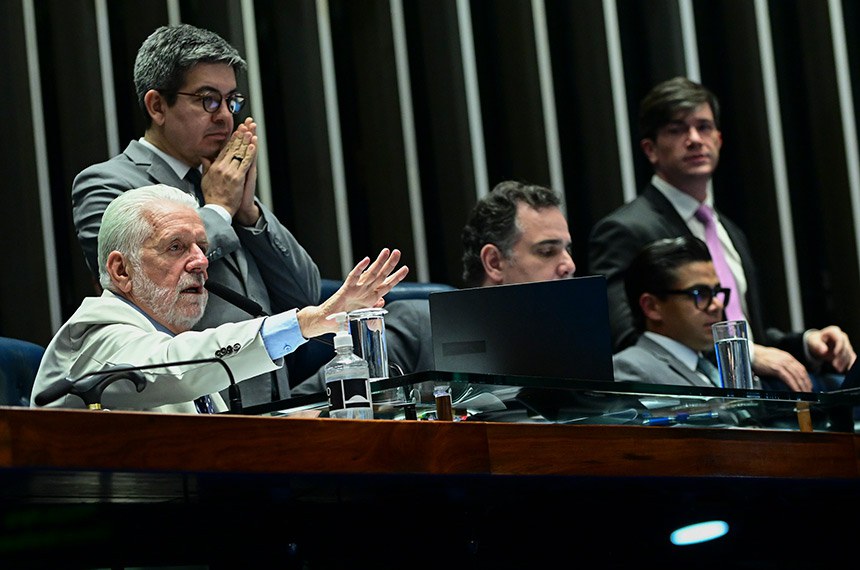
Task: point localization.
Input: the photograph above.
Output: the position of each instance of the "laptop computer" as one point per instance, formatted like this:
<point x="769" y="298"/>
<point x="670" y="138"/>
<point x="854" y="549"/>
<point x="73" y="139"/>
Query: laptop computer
<point x="548" y="328"/>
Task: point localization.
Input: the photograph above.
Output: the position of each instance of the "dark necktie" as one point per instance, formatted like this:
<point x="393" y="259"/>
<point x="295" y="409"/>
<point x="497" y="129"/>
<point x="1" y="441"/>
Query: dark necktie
<point x="705" y="215"/>
<point x="195" y="178"/>
<point x="708" y="369"/>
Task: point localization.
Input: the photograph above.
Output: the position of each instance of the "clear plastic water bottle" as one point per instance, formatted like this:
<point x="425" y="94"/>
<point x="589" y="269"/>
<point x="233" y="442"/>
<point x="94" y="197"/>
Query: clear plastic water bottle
<point x="347" y="378"/>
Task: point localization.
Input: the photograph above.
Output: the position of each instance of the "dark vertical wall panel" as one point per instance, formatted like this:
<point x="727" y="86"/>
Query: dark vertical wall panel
<point x="586" y="118"/>
<point x="812" y="123"/>
<point x="74" y="121"/>
<point x="653" y="51"/>
<point x="23" y="286"/>
<point x="510" y="91"/>
<point x="371" y="128"/>
<point x="441" y="132"/>
<point x="298" y="142"/>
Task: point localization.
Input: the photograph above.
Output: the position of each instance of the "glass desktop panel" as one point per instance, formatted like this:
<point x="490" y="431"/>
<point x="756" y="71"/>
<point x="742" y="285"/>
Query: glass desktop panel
<point x="505" y="398"/>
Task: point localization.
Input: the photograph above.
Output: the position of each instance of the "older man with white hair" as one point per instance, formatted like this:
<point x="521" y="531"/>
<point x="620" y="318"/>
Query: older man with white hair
<point x="153" y="266"/>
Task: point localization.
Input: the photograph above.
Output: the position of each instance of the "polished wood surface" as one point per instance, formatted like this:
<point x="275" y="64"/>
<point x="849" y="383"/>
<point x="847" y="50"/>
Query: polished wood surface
<point x="128" y="441"/>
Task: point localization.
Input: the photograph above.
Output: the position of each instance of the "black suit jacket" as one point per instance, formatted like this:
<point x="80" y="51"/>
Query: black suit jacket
<point x="618" y="237"/>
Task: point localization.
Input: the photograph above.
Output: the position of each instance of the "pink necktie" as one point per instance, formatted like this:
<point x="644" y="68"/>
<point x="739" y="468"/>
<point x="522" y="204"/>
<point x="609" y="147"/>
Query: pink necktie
<point x="705" y="215"/>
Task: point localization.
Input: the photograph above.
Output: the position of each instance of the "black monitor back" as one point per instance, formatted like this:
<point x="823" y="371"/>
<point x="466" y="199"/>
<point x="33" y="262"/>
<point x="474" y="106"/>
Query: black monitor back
<point x="549" y="328"/>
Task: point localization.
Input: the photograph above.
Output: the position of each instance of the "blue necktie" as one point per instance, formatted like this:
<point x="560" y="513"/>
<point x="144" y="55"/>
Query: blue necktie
<point x="205" y="405"/>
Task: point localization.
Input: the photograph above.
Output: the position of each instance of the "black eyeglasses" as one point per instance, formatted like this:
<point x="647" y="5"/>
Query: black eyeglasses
<point x="212" y="101"/>
<point x="702" y="295"/>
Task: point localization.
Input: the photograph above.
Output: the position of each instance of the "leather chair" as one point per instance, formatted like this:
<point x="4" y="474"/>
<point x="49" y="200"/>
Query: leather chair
<point x="311" y="356"/>
<point x="19" y="362"/>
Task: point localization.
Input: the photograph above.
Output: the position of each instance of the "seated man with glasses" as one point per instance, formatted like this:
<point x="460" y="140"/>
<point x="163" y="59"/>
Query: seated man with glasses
<point x="186" y="83"/>
<point x="674" y="296"/>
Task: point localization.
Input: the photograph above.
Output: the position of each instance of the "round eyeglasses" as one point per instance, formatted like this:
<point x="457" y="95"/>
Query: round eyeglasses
<point x="702" y="295"/>
<point x="212" y="101"/>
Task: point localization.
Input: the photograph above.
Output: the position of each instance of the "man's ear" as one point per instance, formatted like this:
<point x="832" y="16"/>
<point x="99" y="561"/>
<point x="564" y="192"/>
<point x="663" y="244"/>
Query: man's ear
<point x="493" y="262"/>
<point x="156" y="106"/>
<point x="118" y="270"/>
<point x="651" y="307"/>
<point x="647" y="146"/>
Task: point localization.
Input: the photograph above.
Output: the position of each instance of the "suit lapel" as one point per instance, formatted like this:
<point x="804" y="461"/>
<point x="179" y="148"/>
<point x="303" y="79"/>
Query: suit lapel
<point x="666" y="212"/>
<point x="673" y="363"/>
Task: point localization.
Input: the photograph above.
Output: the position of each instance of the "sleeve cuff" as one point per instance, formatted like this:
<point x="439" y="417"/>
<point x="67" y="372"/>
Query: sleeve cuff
<point x="281" y="334"/>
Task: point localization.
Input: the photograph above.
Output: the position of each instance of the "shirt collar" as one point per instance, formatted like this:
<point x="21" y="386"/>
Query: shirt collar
<point x="682" y="352"/>
<point x="179" y="167"/>
<point x="683" y="203"/>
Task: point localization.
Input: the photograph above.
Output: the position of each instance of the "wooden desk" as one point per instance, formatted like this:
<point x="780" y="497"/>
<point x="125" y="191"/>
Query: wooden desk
<point x="493" y="493"/>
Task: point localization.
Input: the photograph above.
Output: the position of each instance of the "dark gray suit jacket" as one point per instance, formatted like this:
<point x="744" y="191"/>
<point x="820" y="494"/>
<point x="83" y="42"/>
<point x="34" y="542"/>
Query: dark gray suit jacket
<point x="269" y="266"/>
<point x="647" y="361"/>
<point x="616" y="239"/>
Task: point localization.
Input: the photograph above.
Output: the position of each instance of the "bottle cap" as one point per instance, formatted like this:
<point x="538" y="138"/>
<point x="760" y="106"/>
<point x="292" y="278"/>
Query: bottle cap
<point x="342" y="337"/>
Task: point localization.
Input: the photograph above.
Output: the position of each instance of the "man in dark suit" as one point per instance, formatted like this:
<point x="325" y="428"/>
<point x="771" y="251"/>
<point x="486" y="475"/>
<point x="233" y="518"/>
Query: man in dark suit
<point x="185" y="80"/>
<point x="679" y="122"/>
<point x="674" y="296"/>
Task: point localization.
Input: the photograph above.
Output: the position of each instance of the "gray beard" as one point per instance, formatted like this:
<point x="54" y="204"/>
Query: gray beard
<point x="162" y="300"/>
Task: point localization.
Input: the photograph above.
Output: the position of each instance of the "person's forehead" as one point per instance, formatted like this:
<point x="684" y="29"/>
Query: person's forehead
<point x="211" y="74"/>
<point x="170" y="222"/>
<point x="701" y="112"/>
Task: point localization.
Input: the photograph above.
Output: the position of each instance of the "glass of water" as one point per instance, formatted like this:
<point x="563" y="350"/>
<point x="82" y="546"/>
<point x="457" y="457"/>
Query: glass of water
<point x="731" y="341"/>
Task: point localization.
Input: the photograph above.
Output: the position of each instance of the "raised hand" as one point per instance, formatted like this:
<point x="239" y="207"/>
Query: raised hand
<point x="364" y="287"/>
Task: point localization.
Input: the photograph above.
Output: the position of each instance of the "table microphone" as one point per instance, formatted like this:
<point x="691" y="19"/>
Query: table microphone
<point x="250" y="306"/>
<point x="90" y="386"/>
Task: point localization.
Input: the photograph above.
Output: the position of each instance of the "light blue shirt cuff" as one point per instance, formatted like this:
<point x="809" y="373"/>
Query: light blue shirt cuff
<point x="281" y="334"/>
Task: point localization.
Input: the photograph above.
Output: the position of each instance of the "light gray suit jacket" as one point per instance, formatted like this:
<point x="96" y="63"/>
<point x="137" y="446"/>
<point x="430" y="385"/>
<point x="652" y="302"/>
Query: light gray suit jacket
<point x="108" y="331"/>
<point x="647" y="361"/>
<point x="268" y="266"/>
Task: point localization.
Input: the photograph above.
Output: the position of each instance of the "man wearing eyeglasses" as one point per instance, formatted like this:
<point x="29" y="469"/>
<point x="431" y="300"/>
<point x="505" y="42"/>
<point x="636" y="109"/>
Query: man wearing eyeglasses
<point x="675" y="296"/>
<point x="186" y="83"/>
<point x="679" y="122"/>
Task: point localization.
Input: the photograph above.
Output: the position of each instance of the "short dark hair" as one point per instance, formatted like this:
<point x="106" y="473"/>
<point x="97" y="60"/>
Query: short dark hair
<point x="170" y="51"/>
<point x="493" y="220"/>
<point x="655" y="268"/>
<point x="665" y="100"/>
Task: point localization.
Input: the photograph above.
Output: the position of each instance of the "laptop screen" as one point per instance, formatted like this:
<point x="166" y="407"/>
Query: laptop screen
<point x="549" y="328"/>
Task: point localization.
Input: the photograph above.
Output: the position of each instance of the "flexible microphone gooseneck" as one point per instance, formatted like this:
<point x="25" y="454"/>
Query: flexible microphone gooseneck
<point x="250" y="306"/>
<point x="90" y="386"/>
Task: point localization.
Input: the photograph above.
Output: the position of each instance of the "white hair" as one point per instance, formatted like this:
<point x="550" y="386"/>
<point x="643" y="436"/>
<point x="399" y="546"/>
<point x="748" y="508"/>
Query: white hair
<point x="125" y="225"/>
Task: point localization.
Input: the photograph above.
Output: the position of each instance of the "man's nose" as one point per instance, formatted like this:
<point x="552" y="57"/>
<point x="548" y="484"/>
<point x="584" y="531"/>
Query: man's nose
<point x="198" y="261"/>
<point x="693" y="135"/>
<point x="567" y="267"/>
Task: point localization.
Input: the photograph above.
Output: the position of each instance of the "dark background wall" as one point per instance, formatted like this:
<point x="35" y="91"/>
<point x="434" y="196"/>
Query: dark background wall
<point x="54" y="77"/>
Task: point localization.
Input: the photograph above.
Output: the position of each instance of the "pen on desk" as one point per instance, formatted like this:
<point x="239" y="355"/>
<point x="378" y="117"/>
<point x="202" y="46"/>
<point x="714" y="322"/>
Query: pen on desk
<point x="679" y="418"/>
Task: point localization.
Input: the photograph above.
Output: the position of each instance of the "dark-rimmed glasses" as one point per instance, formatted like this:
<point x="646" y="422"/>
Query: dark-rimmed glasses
<point x="702" y="295"/>
<point x="212" y="101"/>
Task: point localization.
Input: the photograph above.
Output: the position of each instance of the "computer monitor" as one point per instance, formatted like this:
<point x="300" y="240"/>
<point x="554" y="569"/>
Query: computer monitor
<point x="548" y="328"/>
